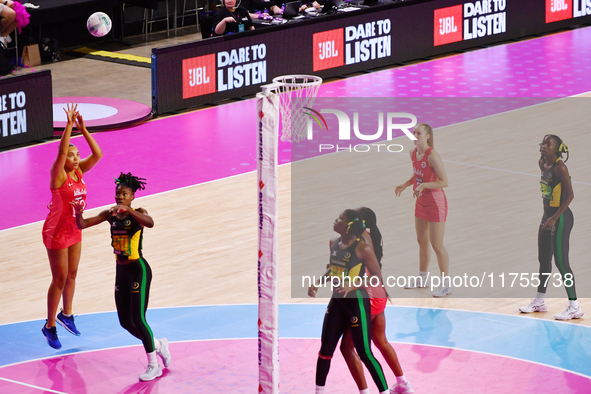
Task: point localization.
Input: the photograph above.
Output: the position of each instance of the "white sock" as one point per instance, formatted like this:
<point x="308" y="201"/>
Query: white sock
<point x="157" y="344"/>
<point x="385" y="392"/>
<point x="319" y="389"/>
<point x="573" y="303"/>
<point x="364" y="391"/>
<point x="152" y="359"/>
<point x="401" y="379"/>
<point x="540" y="296"/>
<point x="66" y="315"/>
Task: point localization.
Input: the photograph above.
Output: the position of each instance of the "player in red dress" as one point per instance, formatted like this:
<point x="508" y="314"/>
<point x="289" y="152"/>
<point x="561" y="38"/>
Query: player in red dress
<point x="428" y="180"/>
<point x="61" y="236"/>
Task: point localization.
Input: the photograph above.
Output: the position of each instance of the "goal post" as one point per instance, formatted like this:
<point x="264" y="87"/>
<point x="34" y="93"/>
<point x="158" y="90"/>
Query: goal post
<point x="284" y="99"/>
<point x="268" y="338"/>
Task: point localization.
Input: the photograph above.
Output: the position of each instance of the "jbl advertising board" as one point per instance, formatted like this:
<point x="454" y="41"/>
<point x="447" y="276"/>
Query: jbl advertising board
<point x="219" y="68"/>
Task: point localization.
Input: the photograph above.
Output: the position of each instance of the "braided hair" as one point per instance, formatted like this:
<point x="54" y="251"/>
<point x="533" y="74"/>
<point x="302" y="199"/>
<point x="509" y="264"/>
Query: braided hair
<point x="562" y="148"/>
<point x="355" y="223"/>
<point x="133" y="182"/>
<point x="370" y="220"/>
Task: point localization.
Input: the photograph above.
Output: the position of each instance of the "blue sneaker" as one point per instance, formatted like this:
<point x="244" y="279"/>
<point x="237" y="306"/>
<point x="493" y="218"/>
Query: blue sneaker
<point x="51" y="336"/>
<point x="67" y="323"/>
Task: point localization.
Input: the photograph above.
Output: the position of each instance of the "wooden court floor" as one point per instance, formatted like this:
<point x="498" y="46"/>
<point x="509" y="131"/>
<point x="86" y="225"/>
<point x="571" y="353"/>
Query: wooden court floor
<point x="203" y="247"/>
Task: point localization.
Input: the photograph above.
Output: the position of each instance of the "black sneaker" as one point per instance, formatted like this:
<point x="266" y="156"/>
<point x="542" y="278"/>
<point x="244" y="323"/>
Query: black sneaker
<point x="51" y="336"/>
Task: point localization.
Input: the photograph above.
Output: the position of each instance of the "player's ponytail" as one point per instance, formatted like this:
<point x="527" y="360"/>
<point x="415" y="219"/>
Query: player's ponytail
<point x="428" y="130"/>
<point x="370" y="220"/>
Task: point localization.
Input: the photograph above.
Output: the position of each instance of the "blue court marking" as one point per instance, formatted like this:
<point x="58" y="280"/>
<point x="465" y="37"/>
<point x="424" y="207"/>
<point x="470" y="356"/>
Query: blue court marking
<point x="565" y="346"/>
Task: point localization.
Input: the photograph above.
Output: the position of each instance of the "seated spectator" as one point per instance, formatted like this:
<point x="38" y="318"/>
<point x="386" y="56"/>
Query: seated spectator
<point x="7" y="17"/>
<point x="231" y="19"/>
<point x="13" y="15"/>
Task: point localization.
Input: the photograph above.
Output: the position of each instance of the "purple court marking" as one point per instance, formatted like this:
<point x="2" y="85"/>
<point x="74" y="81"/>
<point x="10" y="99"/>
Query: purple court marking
<point x="228" y="366"/>
<point x="219" y="142"/>
<point x="100" y="112"/>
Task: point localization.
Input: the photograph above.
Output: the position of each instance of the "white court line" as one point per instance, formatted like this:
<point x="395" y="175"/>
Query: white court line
<point x="30" y="385"/>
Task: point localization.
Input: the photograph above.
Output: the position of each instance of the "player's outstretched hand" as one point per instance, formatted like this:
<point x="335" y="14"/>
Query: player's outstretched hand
<point x="79" y="122"/>
<point x="71" y="112"/>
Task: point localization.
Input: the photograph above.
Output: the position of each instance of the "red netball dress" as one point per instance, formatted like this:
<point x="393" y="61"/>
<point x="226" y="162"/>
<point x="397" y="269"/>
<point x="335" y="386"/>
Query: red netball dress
<point x="377" y="295"/>
<point x="377" y="299"/>
<point x="431" y="205"/>
<point x="60" y="230"/>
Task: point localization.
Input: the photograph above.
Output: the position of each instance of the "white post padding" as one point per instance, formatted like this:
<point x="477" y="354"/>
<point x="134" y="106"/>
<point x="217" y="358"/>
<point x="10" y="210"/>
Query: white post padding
<point x="267" y="145"/>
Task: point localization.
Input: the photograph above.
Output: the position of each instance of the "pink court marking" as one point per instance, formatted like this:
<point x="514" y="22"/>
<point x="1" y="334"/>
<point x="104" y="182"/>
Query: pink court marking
<point x="126" y="111"/>
<point x="226" y="366"/>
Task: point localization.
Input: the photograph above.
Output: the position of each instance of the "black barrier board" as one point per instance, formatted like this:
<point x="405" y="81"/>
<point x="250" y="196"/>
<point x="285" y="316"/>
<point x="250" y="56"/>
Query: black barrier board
<point x="26" y="112"/>
<point x="210" y="70"/>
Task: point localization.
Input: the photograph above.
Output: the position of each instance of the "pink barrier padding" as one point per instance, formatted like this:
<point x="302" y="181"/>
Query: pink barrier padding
<point x="230" y="366"/>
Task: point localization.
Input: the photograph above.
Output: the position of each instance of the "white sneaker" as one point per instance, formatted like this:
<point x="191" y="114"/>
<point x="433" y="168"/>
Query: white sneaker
<point x="414" y="283"/>
<point x="405" y="388"/>
<point x="151" y="373"/>
<point x="164" y="353"/>
<point x="570" y="313"/>
<point x="441" y="292"/>
<point x="536" y="305"/>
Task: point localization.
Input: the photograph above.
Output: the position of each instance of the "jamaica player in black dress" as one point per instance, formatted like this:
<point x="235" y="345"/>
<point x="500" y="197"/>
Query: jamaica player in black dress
<point x="132" y="283"/>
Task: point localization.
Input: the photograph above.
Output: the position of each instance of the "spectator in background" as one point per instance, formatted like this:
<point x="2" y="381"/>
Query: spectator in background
<point x="231" y="19"/>
<point x="7" y="17"/>
<point x="12" y="15"/>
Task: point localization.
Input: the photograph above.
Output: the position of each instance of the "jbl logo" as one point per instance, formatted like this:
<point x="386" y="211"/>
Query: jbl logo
<point x="447" y="25"/>
<point x="558" y="10"/>
<point x="199" y="76"/>
<point x="558" y="5"/>
<point x="328" y="49"/>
